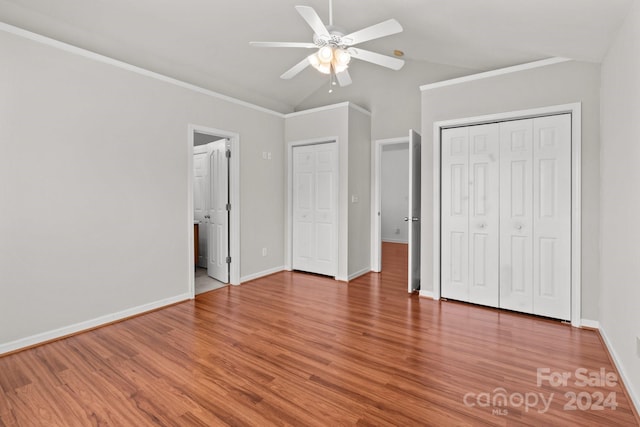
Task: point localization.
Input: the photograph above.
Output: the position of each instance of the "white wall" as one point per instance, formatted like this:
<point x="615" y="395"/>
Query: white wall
<point x="620" y="228"/>
<point x="93" y="186"/>
<point x="392" y="96"/>
<point x="394" y="191"/>
<point x="557" y="84"/>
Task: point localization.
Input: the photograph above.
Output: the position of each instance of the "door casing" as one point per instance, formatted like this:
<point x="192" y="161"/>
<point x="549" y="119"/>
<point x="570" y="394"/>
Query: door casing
<point x="376" y="200"/>
<point x="234" y="200"/>
<point x="575" y="109"/>
<point x="289" y="221"/>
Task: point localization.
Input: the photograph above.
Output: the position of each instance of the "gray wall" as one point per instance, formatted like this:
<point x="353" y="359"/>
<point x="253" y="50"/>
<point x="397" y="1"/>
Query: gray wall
<point x="360" y="187"/>
<point x="562" y="83"/>
<point x="620" y="228"/>
<point x="93" y="185"/>
<point x="392" y="96"/>
<point x="394" y="186"/>
<point x="326" y="125"/>
<point x="351" y="127"/>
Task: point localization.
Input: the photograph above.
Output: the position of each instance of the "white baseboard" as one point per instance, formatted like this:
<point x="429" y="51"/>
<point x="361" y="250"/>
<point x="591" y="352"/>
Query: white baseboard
<point x="426" y="294"/>
<point x="359" y="273"/>
<point x="260" y="274"/>
<point x="625" y="378"/>
<point x="89" y="324"/>
<point x="384" y="240"/>
<point x="593" y="324"/>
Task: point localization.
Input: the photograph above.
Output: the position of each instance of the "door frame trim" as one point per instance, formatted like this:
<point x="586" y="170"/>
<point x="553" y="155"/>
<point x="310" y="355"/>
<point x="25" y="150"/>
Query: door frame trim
<point x="234" y="200"/>
<point x="575" y="109"/>
<point x="376" y="199"/>
<point x="289" y="195"/>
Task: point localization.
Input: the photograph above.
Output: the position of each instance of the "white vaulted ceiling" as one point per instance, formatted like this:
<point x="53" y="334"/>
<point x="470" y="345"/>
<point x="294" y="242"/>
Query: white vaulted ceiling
<point x="206" y="42"/>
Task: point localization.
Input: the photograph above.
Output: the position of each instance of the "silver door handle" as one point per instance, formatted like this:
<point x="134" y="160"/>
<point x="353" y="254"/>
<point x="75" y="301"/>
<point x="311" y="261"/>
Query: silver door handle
<point x="406" y="218"/>
<point x="415" y="219"/>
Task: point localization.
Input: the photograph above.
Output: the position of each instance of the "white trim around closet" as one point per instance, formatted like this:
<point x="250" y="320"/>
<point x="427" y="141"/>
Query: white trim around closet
<point x="575" y="110"/>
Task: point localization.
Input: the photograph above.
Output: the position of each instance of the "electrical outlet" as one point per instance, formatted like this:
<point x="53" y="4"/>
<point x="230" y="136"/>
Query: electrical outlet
<point x="354" y="199"/>
<point x="264" y="251"/>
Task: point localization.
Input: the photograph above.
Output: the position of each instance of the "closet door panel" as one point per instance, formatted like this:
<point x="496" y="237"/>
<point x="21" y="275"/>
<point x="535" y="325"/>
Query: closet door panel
<point x="552" y="216"/>
<point x="455" y="214"/>
<point x="516" y="211"/>
<point x="484" y="214"/>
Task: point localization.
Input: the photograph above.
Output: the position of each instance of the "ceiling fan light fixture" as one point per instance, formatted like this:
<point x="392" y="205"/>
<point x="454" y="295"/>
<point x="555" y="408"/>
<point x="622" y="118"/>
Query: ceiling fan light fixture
<point x="324" y="68"/>
<point x="325" y="54"/>
<point x="342" y="57"/>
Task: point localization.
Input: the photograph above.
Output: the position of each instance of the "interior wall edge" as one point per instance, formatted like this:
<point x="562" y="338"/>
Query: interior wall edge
<point x="626" y="379"/>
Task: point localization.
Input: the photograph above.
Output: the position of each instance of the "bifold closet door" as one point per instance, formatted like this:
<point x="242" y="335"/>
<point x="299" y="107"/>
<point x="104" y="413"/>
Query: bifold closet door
<point x="506" y="215"/>
<point x="314" y="199"/>
<point x="552" y="216"/>
<point x="535" y="216"/>
<point x="470" y="214"/>
<point x="516" y="209"/>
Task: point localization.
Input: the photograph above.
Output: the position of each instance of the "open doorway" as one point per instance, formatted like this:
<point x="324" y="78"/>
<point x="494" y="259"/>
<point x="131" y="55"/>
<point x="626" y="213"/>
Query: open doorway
<point x="214" y="209"/>
<point x="396" y="205"/>
<point x="392" y="201"/>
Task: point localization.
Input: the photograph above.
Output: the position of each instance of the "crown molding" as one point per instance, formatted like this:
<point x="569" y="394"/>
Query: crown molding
<point x="494" y="73"/>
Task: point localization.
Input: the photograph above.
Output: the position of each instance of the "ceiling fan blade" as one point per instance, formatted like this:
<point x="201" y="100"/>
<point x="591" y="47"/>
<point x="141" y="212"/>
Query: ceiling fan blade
<point x="314" y="21"/>
<point x="283" y="44"/>
<point x="376" y="58"/>
<point x="344" y="79"/>
<point x="382" y="29"/>
<point x="293" y="71"/>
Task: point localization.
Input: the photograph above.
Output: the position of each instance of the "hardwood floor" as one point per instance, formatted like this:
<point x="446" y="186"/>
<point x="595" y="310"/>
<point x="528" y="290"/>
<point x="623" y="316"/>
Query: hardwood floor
<point x="296" y="349"/>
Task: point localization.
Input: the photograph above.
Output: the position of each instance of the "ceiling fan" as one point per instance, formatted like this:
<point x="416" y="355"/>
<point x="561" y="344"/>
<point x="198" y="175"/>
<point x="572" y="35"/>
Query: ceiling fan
<point x="334" y="48"/>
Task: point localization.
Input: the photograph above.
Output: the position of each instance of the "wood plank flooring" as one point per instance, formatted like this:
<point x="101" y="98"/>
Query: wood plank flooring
<point x="303" y="350"/>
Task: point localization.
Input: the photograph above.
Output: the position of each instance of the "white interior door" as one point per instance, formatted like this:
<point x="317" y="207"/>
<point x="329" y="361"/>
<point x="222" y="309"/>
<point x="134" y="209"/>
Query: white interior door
<point x="218" y="229"/>
<point x="516" y="209"/>
<point x="415" y="144"/>
<point x="484" y="214"/>
<point x="314" y="200"/>
<point x="201" y="183"/>
<point x="552" y="216"/>
<point x="455" y="214"/>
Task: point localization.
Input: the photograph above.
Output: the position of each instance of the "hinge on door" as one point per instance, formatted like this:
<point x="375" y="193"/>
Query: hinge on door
<point x="228" y="154"/>
<point x="228" y="260"/>
<point x="228" y="206"/>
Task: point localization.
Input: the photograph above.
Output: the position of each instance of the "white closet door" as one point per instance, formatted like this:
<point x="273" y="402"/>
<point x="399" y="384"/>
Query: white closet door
<point x="455" y="214"/>
<point x="314" y="200"/>
<point x="552" y="216"/>
<point x="516" y="225"/>
<point x="484" y="214"/>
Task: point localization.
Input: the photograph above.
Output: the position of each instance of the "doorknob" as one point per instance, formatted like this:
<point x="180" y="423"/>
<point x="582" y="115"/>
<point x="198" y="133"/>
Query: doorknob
<point x="415" y="219"/>
<point x="519" y="227"/>
<point x="482" y="225"/>
<point x="207" y="216"/>
<point x="406" y="218"/>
